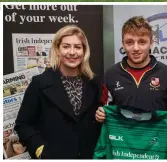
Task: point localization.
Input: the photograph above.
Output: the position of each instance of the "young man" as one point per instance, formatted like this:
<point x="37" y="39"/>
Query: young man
<point x="139" y="80"/>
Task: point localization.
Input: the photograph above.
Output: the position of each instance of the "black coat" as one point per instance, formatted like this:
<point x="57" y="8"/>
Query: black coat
<point x="46" y="117"/>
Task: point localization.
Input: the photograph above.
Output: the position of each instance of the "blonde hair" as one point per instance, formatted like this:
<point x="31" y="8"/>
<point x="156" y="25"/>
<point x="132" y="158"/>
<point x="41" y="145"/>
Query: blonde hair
<point x="71" y="30"/>
<point x="137" y="25"/>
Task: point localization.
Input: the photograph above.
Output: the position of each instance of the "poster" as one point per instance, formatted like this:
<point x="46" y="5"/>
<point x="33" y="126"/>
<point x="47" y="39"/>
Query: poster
<point x="31" y="50"/>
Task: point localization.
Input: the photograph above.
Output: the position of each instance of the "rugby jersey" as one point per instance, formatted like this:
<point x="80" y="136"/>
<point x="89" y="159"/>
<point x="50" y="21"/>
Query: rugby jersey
<point x="132" y="135"/>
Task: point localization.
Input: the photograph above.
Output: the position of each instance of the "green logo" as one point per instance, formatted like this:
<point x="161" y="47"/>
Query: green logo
<point x="154" y="141"/>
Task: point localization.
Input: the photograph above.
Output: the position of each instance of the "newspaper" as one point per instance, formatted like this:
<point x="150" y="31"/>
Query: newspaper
<point x="31" y="50"/>
<point x="14" y="86"/>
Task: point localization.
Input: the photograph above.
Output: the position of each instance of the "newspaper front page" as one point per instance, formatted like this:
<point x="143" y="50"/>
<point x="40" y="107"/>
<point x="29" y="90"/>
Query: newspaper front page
<point x="31" y="50"/>
<point x="14" y="86"/>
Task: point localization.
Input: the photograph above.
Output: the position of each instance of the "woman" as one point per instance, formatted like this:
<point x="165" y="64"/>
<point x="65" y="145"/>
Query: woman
<point x="56" y="119"/>
<point x="14" y="147"/>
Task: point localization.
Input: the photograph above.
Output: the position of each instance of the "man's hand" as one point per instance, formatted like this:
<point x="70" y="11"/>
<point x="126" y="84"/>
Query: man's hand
<point x="100" y="115"/>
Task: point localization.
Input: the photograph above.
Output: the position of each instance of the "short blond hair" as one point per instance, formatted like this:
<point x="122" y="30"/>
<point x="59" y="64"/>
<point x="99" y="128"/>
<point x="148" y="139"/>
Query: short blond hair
<point x="137" y="25"/>
<point x="71" y="30"/>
